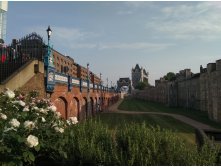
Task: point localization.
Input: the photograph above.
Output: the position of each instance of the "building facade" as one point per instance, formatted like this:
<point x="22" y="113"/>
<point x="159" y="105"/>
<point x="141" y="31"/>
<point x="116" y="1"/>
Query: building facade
<point x="3" y="17"/>
<point x="138" y="74"/>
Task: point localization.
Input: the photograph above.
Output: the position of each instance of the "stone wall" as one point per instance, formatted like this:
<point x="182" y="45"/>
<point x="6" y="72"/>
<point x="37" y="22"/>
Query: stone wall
<point x="200" y="91"/>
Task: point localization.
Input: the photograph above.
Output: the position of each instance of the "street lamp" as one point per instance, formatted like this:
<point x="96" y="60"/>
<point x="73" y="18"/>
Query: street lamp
<point x="49" y="31"/>
<point x="88" y="92"/>
<point x="49" y="65"/>
<point x="107" y="82"/>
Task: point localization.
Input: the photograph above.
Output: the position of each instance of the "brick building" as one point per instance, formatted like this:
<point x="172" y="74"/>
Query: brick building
<point x="67" y="65"/>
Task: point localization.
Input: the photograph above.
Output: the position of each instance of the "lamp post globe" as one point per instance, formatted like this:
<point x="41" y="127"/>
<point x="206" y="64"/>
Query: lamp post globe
<point x="49" y="31"/>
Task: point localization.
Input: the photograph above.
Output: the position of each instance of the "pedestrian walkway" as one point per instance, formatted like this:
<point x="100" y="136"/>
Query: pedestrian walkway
<point x="189" y="121"/>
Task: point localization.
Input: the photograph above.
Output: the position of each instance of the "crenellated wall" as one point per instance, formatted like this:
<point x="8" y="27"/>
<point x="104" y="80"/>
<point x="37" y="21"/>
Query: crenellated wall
<point x="200" y="91"/>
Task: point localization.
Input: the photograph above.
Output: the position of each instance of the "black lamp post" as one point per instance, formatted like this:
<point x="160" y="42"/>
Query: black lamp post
<point x="49" y="31"/>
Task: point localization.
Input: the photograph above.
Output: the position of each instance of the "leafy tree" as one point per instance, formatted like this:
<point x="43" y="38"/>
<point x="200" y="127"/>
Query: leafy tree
<point x="141" y="85"/>
<point x="170" y="76"/>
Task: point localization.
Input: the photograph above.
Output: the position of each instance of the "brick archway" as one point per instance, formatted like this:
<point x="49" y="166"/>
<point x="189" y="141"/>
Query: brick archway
<point x="61" y="104"/>
<point x="77" y="108"/>
<point x="84" y="108"/>
<point x="92" y="105"/>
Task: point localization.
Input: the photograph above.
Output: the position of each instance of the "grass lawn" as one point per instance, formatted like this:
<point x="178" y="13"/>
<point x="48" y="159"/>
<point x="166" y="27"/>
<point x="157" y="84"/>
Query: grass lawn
<point x="117" y="120"/>
<point x="141" y="105"/>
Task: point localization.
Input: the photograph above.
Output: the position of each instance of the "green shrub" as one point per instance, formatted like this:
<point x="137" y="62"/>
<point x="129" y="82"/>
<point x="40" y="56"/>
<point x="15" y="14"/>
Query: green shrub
<point x="30" y="130"/>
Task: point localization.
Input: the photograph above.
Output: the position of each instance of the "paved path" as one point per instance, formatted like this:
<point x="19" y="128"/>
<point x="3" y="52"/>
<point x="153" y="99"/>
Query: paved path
<point x="193" y="123"/>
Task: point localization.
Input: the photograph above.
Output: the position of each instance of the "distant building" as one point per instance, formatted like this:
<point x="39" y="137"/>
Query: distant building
<point x="3" y="10"/>
<point x="124" y="84"/>
<point x="139" y="75"/>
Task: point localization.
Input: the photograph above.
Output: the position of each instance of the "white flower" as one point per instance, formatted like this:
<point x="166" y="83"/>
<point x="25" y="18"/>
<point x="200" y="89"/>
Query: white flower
<point x="32" y="141"/>
<point x="68" y="122"/>
<point x="10" y="94"/>
<point x="58" y="114"/>
<point x="36" y="108"/>
<point x="29" y="125"/>
<point x="21" y="103"/>
<point x="26" y="109"/>
<point x="43" y="119"/>
<point x="52" y="108"/>
<point x="57" y="129"/>
<point x="43" y="111"/>
<point x="0" y="109"/>
<point x="73" y="120"/>
<point x="14" y="122"/>
<point x="3" y="116"/>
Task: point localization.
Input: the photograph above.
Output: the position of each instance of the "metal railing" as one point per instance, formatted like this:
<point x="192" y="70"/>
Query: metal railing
<point x="19" y="53"/>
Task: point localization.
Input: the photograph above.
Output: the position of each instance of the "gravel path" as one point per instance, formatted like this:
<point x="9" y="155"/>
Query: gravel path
<point x="189" y="121"/>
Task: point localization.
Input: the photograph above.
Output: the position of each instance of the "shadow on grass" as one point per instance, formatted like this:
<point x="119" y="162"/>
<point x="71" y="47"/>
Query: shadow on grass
<point x="141" y="105"/>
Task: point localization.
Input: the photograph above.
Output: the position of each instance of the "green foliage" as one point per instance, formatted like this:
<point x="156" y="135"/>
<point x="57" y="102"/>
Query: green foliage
<point x="170" y="76"/>
<point x="141" y="85"/>
<point x="88" y="143"/>
<point x="91" y="143"/>
<point x="28" y="129"/>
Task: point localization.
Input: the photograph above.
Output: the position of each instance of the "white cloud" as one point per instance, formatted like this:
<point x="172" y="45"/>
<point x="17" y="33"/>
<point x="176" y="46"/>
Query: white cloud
<point x="131" y="7"/>
<point x="83" y="46"/>
<point x="134" y="46"/>
<point x="66" y="36"/>
<point x="189" y="21"/>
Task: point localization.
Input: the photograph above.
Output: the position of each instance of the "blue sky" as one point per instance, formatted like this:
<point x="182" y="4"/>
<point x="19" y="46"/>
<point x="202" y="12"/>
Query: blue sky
<point x="114" y="36"/>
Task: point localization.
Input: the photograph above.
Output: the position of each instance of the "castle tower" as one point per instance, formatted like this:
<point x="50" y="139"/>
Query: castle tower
<point x="138" y="75"/>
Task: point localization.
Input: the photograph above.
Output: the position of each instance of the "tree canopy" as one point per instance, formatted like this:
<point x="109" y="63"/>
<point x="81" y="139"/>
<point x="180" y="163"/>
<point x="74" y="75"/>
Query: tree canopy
<point x="170" y="76"/>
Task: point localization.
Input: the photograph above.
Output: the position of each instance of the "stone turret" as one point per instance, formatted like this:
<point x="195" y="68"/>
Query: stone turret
<point x="211" y="67"/>
<point x="218" y="65"/>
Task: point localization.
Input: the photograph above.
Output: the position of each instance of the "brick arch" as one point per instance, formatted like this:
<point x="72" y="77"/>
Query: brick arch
<point x="76" y="111"/>
<point x="84" y="108"/>
<point x="92" y="105"/>
<point x="96" y="106"/>
<point x="61" y="104"/>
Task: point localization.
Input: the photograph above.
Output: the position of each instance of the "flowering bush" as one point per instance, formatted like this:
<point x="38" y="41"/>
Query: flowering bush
<point x="30" y="129"/>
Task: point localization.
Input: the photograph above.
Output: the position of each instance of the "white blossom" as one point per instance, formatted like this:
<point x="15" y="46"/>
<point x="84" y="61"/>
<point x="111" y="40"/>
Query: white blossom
<point x="43" y="111"/>
<point x="58" y="114"/>
<point x="0" y="109"/>
<point x="3" y="116"/>
<point x="73" y="120"/>
<point x="29" y="125"/>
<point x="52" y="108"/>
<point x="26" y="109"/>
<point x="57" y="129"/>
<point x="68" y="122"/>
<point x="14" y="122"/>
<point x="21" y="103"/>
<point x="36" y="108"/>
<point x="32" y="141"/>
<point x="43" y="119"/>
<point x="10" y="94"/>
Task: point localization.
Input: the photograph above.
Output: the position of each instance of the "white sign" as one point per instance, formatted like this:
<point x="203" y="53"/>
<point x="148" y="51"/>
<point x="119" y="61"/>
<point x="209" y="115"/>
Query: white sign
<point x="91" y="85"/>
<point x="61" y="78"/>
<point x="84" y="84"/>
<point x="75" y="81"/>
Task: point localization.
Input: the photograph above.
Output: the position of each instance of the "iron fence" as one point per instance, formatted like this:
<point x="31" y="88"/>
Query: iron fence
<point x="17" y="54"/>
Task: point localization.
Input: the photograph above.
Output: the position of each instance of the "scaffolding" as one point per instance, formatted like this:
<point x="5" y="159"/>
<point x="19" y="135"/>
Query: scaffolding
<point x="3" y="19"/>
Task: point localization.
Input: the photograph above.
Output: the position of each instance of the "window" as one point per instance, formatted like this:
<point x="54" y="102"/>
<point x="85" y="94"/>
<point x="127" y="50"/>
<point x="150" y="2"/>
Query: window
<point x="62" y="70"/>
